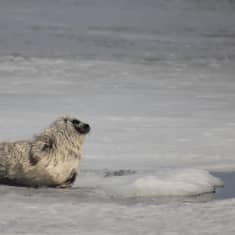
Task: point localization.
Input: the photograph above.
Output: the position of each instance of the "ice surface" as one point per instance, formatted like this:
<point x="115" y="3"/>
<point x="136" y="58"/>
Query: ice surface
<point x="142" y="116"/>
<point x="155" y="79"/>
<point x="42" y="212"/>
<point x="182" y="183"/>
<point x="162" y="122"/>
<point x="162" y="183"/>
<point x="153" y="30"/>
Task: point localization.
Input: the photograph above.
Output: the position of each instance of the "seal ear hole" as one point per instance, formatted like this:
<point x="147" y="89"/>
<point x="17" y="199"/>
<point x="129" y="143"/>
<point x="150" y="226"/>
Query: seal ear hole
<point x="65" y="120"/>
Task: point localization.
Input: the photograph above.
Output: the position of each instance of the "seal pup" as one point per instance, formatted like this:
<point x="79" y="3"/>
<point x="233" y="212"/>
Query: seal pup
<point x="50" y="159"/>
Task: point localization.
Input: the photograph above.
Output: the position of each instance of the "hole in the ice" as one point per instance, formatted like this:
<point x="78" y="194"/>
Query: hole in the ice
<point x="121" y="172"/>
<point x="228" y="191"/>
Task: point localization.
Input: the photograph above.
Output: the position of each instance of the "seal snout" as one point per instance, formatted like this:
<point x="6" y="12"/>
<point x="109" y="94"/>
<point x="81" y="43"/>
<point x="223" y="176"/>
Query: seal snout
<point x="84" y="128"/>
<point x="81" y="127"/>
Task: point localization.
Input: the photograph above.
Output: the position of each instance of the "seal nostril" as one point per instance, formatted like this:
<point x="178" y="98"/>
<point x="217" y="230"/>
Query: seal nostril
<point x="83" y="128"/>
<point x="86" y="127"/>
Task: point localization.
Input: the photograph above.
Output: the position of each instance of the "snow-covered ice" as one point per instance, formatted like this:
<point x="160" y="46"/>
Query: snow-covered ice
<point x="142" y="116"/>
<point x="165" y="123"/>
<point x="162" y="183"/>
<point x="38" y="212"/>
<point x="155" y="79"/>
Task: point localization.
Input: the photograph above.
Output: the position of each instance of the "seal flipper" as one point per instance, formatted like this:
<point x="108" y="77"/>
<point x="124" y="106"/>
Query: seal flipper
<point x="70" y="180"/>
<point x="41" y="144"/>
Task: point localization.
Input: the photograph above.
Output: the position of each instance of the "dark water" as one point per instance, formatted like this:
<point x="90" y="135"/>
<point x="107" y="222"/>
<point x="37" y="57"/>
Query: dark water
<point x="151" y="30"/>
<point x="228" y="191"/>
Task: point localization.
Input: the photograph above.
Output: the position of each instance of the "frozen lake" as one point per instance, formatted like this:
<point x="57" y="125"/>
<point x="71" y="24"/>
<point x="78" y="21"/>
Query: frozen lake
<point x="170" y="123"/>
<point x="150" y="30"/>
<point x="155" y="80"/>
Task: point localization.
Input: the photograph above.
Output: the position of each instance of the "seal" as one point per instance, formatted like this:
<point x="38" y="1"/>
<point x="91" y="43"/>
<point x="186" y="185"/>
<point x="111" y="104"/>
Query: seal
<point x="50" y="159"/>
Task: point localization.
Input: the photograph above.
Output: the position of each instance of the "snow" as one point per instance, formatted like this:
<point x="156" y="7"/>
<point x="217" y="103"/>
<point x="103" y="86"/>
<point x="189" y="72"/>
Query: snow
<point x="142" y="116"/>
<point x="165" y="125"/>
<point x="183" y="183"/>
<point x="50" y="214"/>
<point x="155" y="79"/>
<point x="161" y="183"/>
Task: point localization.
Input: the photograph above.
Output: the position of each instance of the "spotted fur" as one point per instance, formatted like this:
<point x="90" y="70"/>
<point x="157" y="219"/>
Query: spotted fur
<point x="50" y="159"/>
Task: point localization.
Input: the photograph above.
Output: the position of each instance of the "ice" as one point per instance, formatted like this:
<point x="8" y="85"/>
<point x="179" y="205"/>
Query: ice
<point x="182" y="183"/>
<point x="161" y="124"/>
<point x="151" y="30"/>
<point x="155" y="79"/>
<point x="162" y="183"/>
<point x="142" y="116"/>
<point x="49" y="214"/>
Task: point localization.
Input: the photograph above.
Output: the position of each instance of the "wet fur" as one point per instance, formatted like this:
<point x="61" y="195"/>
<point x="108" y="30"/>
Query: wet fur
<point x="50" y="159"/>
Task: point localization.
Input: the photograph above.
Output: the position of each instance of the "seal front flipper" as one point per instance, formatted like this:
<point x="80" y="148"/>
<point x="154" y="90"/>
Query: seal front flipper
<point x="40" y="146"/>
<point x="69" y="181"/>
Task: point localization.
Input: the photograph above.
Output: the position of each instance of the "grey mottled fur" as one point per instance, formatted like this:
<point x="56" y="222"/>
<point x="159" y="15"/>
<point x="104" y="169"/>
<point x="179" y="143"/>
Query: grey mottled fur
<point x="50" y="159"/>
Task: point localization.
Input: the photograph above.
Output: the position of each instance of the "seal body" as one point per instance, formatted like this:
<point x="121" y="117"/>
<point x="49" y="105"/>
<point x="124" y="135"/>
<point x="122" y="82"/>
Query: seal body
<point x="50" y="159"/>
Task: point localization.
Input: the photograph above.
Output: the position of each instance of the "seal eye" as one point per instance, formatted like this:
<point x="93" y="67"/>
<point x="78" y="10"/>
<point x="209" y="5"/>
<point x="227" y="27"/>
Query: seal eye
<point x="75" y="122"/>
